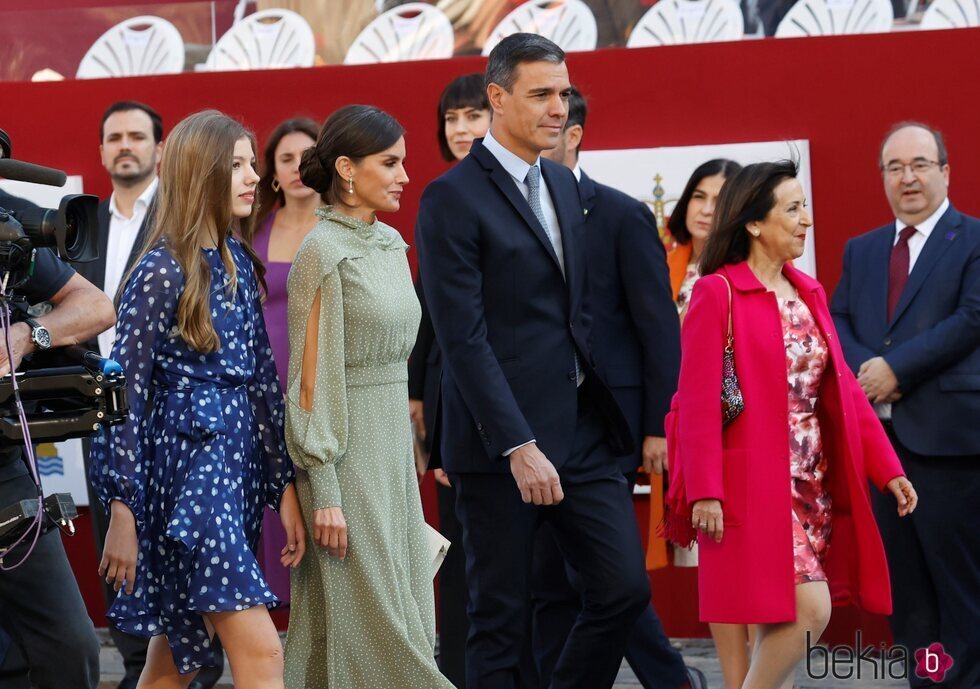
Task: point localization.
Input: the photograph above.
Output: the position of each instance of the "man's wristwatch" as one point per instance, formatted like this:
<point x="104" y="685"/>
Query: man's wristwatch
<point x="39" y="334"/>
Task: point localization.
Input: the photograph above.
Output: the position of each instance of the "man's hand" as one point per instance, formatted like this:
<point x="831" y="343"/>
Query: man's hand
<point x="20" y="345"/>
<point x="121" y="550"/>
<point x="654" y="454"/>
<point x="878" y="381"/>
<point x="330" y="531"/>
<point x="441" y="478"/>
<point x="536" y="477"/>
<point x="416" y="412"/>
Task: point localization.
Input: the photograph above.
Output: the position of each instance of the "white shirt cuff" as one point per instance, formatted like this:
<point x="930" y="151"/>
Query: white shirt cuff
<point x="507" y="453"/>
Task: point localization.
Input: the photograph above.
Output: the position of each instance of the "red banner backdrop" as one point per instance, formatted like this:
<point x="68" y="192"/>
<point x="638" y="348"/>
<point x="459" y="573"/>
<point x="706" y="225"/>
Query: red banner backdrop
<point x="841" y="93"/>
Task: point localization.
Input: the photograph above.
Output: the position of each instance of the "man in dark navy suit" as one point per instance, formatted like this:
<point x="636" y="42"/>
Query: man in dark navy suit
<point x="907" y="309"/>
<point x="502" y="264"/>
<point x="636" y="343"/>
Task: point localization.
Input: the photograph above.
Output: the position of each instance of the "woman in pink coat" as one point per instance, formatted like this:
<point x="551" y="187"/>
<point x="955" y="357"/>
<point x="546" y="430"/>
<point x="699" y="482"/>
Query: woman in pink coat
<point x="777" y="497"/>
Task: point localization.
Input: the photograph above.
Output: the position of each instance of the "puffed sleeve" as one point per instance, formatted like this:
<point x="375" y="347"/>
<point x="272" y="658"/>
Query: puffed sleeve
<point x="147" y="313"/>
<point x="265" y="394"/>
<point x="317" y="439"/>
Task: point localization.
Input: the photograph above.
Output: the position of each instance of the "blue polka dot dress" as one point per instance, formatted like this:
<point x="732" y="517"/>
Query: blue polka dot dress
<point x="200" y="456"/>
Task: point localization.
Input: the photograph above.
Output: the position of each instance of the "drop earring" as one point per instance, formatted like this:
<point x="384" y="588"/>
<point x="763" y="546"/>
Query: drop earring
<point x="350" y="185"/>
<point x="275" y="185"/>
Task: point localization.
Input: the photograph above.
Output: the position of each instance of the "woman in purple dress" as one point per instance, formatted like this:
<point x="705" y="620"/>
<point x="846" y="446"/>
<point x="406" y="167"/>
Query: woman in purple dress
<point x="286" y="216"/>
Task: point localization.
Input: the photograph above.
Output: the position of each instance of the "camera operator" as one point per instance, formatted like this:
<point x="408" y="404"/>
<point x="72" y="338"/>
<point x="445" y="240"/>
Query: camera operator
<point x="41" y="608"/>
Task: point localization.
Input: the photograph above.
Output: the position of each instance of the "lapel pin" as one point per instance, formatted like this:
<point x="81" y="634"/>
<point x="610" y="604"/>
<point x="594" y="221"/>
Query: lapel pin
<point x="950" y="236"/>
<point x="585" y="211"/>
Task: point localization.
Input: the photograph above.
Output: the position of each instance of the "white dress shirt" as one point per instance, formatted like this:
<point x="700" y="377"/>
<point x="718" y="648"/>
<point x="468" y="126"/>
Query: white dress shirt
<point x="916" y="242"/>
<point x="922" y="232"/>
<point x="122" y="238"/>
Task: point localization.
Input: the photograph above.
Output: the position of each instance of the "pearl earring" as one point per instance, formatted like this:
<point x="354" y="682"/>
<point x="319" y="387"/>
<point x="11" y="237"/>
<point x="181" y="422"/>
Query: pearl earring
<point x="350" y="185"/>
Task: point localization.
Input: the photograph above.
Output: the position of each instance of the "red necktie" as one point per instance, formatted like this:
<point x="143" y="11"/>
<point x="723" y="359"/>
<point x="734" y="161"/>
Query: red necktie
<point x="898" y="269"/>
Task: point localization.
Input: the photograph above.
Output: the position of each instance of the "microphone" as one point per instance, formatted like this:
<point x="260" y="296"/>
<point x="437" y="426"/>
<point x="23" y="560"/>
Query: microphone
<point x="93" y="361"/>
<point x="28" y="172"/>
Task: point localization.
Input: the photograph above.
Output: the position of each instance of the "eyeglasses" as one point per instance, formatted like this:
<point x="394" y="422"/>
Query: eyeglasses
<point x="919" y="167"/>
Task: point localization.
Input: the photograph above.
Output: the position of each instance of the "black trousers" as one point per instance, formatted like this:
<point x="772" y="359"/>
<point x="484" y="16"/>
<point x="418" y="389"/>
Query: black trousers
<point x="934" y="561"/>
<point x="42" y="611"/>
<point x="131" y="648"/>
<point x="453" y="623"/>
<point x="556" y="596"/>
<point x="596" y="532"/>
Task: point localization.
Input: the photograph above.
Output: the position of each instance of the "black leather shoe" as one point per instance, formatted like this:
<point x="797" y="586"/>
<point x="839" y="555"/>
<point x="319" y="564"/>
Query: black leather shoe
<point x="207" y="677"/>
<point x="128" y="682"/>
<point x="696" y="678"/>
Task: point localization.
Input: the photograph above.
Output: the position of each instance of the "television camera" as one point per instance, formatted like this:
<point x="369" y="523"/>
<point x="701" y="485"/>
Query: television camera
<point x="48" y="403"/>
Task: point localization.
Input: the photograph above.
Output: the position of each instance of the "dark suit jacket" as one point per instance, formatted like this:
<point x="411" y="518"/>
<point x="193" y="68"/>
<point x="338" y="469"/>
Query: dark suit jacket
<point x="507" y="322"/>
<point x="94" y="271"/>
<point x="635" y="330"/>
<point x="933" y="341"/>
<point x="425" y="378"/>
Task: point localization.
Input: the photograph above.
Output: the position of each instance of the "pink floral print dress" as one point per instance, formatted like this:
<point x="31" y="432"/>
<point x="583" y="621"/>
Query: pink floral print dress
<point x="806" y="361"/>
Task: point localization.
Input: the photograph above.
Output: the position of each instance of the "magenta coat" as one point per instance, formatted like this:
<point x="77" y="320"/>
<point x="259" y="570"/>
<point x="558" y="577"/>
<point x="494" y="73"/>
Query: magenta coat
<point x="749" y="576"/>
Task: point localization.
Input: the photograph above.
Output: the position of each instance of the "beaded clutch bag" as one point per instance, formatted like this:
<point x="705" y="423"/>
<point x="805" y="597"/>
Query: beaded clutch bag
<point x="732" y="403"/>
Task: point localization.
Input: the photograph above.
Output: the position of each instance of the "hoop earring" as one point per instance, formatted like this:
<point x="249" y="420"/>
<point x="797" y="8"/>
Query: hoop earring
<point x="350" y="185"/>
<point x="275" y="185"/>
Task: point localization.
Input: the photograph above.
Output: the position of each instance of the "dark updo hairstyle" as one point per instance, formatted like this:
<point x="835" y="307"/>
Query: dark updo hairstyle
<point x="467" y="91"/>
<point x="269" y="198"/>
<point x="355" y="131"/>
<point x="747" y="197"/>
<point x="677" y="224"/>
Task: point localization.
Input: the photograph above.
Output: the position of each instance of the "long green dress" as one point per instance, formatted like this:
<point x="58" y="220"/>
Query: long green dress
<point x="367" y="622"/>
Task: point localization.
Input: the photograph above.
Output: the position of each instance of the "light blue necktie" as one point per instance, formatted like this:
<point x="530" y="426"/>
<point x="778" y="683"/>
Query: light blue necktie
<point x="533" y="181"/>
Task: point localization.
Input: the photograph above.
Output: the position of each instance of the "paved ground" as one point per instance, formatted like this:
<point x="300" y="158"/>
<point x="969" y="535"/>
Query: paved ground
<point x="698" y="653"/>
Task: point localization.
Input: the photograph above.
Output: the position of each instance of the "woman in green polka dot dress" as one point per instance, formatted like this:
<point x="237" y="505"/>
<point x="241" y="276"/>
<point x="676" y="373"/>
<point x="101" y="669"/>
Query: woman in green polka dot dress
<point x="362" y="613"/>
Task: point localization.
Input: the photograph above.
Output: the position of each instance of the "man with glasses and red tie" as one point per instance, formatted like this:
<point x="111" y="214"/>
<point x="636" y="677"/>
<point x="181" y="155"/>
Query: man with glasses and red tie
<point x="907" y="309"/>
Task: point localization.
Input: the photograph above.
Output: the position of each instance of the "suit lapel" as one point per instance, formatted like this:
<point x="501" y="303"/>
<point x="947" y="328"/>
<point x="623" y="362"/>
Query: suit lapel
<point x="508" y="187"/>
<point x="137" y="249"/>
<point x="567" y="208"/>
<point x="881" y="252"/>
<point x="96" y="269"/>
<point x="587" y="190"/>
<point x="940" y="239"/>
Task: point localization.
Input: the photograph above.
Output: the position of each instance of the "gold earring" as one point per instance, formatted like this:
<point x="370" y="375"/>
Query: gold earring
<point x="350" y="185"/>
<point x="275" y="185"/>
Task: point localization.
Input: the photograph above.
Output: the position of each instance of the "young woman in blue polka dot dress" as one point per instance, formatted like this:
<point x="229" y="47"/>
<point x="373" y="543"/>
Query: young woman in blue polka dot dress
<point x="186" y="478"/>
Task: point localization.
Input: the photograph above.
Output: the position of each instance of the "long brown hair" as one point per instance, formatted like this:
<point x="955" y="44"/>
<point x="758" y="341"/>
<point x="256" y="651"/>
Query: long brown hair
<point x="193" y="202"/>
<point x="269" y="199"/>
<point x="747" y="197"/>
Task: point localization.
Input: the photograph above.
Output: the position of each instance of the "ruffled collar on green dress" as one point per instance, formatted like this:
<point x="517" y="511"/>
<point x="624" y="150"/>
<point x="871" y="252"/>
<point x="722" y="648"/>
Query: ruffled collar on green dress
<point x="376" y="233"/>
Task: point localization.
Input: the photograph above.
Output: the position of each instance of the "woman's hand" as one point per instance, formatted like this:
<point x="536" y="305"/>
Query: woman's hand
<point x="905" y="494"/>
<point x="121" y="550"/>
<point x="292" y="524"/>
<point x="706" y="517"/>
<point x="330" y="531"/>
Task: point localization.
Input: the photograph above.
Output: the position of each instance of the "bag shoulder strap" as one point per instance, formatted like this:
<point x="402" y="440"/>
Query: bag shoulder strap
<point x="728" y="287"/>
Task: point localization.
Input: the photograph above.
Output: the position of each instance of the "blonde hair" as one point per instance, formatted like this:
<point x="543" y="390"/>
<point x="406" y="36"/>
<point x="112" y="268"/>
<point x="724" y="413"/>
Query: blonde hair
<point x="194" y="204"/>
